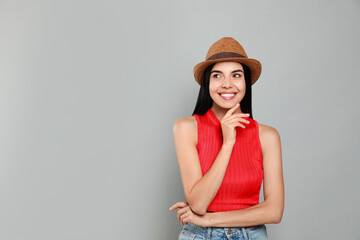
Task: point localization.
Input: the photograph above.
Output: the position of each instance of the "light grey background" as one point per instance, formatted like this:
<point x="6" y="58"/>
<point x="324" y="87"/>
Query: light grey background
<point x="89" y="92"/>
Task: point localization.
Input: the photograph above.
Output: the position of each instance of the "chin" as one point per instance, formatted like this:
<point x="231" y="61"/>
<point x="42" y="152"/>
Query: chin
<point x="228" y="105"/>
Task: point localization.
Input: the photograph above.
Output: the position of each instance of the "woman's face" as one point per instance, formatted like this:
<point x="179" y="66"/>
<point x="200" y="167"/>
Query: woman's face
<point x="227" y="77"/>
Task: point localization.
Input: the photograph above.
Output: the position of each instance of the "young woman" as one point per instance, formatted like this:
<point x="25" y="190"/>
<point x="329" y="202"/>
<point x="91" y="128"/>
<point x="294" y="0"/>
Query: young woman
<point x="224" y="154"/>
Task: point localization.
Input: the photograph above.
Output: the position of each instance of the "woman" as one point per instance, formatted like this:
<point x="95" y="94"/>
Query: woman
<point x="224" y="154"/>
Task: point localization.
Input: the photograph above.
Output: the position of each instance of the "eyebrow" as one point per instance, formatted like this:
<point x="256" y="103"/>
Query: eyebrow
<point x="231" y="72"/>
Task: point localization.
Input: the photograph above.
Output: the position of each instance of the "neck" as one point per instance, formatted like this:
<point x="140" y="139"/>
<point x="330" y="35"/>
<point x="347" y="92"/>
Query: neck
<point x="220" y="112"/>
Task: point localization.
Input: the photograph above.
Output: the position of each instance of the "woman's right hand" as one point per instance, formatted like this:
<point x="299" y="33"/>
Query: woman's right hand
<point x="229" y="122"/>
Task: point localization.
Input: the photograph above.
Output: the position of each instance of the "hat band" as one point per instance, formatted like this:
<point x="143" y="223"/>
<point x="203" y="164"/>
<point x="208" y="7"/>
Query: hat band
<point x="225" y="55"/>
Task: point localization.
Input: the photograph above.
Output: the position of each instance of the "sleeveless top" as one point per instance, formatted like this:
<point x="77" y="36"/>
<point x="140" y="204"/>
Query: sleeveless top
<point x="241" y="184"/>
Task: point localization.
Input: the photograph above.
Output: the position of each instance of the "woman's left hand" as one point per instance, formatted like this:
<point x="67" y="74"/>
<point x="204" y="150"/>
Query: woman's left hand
<point x="185" y="215"/>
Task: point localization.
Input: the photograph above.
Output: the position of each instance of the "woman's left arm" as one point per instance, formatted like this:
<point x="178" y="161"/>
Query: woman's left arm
<point x="271" y="209"/>
<point x="268" y="211"/>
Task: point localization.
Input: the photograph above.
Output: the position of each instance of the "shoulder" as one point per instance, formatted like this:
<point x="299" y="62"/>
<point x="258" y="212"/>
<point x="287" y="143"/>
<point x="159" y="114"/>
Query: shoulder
<point x="267" y="130"/>
<point x="268" y="135"/>
<point x="185" y="127"/>
<point x="185" y="123"/>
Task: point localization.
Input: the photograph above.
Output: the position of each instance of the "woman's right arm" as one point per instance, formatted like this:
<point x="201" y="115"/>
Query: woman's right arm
<point x="200" y="190"/>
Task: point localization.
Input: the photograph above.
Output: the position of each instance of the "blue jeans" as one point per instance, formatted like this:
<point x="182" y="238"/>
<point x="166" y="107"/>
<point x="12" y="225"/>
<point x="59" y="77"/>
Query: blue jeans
<point x="195" y="232"/>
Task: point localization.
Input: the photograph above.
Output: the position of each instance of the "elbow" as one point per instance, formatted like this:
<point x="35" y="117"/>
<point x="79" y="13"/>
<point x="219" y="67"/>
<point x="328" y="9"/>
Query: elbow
<point x="277" y="219"/>
<point x="200" y="211"/>
<point x="275" y="212"/>
<point x="277" y="216"/>
<point x="196" y="204"/>
<point x="197" y="208"/>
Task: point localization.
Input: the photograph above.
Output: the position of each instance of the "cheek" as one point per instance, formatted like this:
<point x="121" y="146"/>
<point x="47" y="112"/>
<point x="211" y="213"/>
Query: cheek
<point x="213" y="87"/>
<point x="241" y="85"/>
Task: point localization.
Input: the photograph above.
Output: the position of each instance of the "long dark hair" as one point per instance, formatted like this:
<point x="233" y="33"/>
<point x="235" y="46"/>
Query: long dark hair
<point x="204" y="100"/>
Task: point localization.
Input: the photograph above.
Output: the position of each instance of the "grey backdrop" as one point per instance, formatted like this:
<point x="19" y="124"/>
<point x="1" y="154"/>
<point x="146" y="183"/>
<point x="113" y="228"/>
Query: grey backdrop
<point x="89" y="92"/>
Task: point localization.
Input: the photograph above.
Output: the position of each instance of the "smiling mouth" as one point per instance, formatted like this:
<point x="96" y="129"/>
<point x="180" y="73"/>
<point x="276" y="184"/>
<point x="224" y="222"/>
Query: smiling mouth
<point x="227" y="96"/>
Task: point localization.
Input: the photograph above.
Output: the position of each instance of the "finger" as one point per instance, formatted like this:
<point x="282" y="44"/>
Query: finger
<point x="177" y="205"/>
<point x="228" y="113"/>
<point x="183" y="210"/>
<point x="237" y="125"/>
<point x="177" y="208"/>
<point x="241" y="117"/>
<point x="186" y="220"/>
<point x="184" y="216"/>
<point x="181" y="216"/>
<point x="237" y="117"/>
<point x="238" y="120"/>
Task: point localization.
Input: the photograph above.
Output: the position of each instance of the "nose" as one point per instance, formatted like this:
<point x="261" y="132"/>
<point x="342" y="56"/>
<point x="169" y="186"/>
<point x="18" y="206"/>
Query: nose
<point x="226" y="82"/>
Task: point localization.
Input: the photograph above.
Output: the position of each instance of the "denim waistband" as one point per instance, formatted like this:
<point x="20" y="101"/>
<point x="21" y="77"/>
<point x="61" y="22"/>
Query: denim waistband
<point x="205" y="229"/>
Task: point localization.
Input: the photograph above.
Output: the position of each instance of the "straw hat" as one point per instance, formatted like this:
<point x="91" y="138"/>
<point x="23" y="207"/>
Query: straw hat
<point x="227" y="49"/>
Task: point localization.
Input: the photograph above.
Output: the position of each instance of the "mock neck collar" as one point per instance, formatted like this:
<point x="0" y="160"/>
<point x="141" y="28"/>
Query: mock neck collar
<point x="213" y="117"/>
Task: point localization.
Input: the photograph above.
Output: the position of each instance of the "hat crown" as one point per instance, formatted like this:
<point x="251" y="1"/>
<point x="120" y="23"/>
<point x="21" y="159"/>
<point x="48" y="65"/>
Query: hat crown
<point x="226" y="45"/>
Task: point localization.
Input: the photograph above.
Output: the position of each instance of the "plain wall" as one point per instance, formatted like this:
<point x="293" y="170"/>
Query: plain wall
<point x="89" y="92"/>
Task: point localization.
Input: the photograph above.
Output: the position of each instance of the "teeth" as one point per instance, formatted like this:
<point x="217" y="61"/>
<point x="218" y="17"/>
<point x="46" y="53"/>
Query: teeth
<point x="228" y="95"/>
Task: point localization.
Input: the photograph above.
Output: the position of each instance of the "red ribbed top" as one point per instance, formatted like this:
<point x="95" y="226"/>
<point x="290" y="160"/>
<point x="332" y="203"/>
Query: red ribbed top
<point x="241" y="184"/>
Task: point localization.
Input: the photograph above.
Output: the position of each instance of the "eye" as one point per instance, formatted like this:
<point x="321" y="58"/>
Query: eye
<point x="237" y="75"/>
<point x="216" y="75"/>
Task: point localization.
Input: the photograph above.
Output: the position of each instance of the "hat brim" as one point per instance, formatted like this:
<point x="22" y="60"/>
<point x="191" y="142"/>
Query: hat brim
<point x="253" y="64"/>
